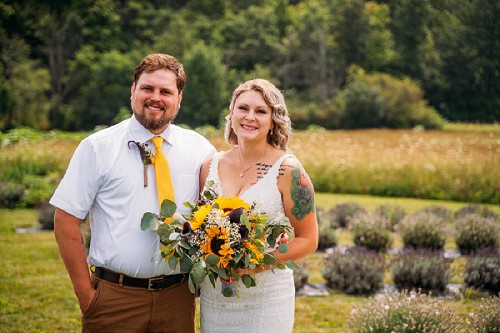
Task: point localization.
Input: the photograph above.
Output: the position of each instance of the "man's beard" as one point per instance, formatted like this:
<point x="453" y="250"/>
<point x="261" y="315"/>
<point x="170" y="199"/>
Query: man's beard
<point x="153" y="124"/>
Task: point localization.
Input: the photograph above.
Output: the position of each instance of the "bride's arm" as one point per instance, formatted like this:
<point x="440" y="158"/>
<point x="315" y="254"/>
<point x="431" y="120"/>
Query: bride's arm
<point x="297" y="194"/>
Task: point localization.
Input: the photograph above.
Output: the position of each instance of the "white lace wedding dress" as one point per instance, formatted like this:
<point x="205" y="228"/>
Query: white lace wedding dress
<point x="267" y="307"/>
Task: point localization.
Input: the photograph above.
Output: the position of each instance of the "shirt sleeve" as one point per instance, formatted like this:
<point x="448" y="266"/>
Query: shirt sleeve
<point x="78" y="188"/>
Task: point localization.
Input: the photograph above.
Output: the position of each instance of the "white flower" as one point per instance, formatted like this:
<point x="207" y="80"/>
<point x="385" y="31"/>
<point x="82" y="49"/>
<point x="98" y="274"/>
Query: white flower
<point x="178" y="217"/>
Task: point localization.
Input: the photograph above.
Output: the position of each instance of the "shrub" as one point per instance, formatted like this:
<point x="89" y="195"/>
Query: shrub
<point x="483" y="272"/>
<point x="475" y="210"/>
<point x="10" y="194"/>
<point x="370" y="233"/>
<point x="342" y="214"/>
<point x="476" y="233"/>
<point x="356" y="272"/>
<point x="439" y="211"/>
<point x="301" y="275"/>
<point x="423" y="230"/>
<point x="420" y="270"/>
<point x="382" y="100"/>
<point x="486" y="319"/>
<point x="46" y="216"/>
<point x="390" y="215"/>
<point x="327" y="237"/>
<point x="409" y="313"/>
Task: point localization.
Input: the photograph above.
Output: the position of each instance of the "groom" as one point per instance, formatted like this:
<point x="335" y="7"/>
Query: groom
<point x="129" y="290"/>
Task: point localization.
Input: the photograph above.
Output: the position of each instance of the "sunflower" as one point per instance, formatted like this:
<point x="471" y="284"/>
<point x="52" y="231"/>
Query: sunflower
<point x="227" y="204"/>
<point x="200" y="215"/>
<point x="257" y="256"/>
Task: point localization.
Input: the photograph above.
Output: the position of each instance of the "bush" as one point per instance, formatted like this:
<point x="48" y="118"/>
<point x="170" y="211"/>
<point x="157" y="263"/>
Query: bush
<point x="327" y="237"/>
<point x="476" y="233"/>
<point x="475" y="210"/>
<point x="421" y="270"/>
<point x="46" y="216"/>
<point x="301" y="275"/>
<point x="439" y="211"/>
<point x="10" y="194"/>
<point x="370" y="233"/>
<point x="342" y="214"/>
<point x="357" y="272"/>
<point x="382" y="100"/>
<point x="423" y="231"/>
<point x="482" y="272"/>
<point x="486" y="319"/>
<point x="409" y="313"/>
<point x="390" y="215"/>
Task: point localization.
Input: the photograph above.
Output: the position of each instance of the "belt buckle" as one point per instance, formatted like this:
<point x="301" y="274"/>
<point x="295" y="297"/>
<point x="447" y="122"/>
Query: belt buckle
<point x="150" y="283"/>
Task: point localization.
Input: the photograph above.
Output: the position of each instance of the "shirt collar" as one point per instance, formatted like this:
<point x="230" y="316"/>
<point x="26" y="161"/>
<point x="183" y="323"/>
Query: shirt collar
<point x="142" y="134"/>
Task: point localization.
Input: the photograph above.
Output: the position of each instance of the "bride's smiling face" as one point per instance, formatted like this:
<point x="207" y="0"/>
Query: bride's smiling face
<point x="251" y="117"/>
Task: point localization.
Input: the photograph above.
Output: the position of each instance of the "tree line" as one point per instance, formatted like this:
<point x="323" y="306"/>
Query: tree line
<point x="68" y="64"/>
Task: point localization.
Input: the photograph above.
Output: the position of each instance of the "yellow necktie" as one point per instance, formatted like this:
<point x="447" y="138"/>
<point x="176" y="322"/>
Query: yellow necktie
<point x="162" y="171"/>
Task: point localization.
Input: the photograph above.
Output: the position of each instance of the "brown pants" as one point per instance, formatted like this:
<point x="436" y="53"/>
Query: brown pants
<point x="133" y="310"/>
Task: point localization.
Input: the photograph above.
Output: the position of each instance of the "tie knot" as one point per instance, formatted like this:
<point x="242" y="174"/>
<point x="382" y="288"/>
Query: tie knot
<point x="157" y="142"/>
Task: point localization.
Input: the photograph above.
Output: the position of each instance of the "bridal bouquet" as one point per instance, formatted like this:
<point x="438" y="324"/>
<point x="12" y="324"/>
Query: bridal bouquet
<point x="220" y="235"/>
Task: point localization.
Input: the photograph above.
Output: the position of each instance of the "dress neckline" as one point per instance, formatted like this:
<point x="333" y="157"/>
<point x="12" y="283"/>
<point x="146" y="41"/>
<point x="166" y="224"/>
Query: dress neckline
<point x="279" y="160"/>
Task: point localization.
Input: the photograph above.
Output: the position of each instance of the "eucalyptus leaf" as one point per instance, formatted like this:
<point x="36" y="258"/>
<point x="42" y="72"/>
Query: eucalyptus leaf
<point x="147" y="219"/>
<point x="184" y="244"/>
<point x="186" y="264"/>
<point x="281" y="265"/>
<point x="198" y="273"/>
<point x="283" y="248"/>
<point x="172" y="262"/>
<point x="269" y="259"/>
<point x="191" y="285"/>
<point x="292" y="265"/>
<point x="168" y="208"/>
<point x="247" y="280"/>
<point x="212" y="259"/>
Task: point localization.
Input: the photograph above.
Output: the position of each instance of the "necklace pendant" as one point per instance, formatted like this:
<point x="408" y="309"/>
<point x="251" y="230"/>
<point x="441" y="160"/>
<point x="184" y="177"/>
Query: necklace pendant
<point x="242" y="174"/>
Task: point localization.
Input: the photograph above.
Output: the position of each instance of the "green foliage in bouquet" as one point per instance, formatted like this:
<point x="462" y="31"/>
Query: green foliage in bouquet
<point x="220" y="235"/>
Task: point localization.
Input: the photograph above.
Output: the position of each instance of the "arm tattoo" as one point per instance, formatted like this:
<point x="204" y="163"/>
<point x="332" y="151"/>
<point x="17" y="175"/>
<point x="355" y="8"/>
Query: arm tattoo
<point x="302" y="194"/>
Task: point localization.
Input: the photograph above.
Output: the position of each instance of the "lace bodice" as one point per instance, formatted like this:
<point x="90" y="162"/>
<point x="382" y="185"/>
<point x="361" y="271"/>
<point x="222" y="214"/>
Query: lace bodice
<point x="268" y="306"/>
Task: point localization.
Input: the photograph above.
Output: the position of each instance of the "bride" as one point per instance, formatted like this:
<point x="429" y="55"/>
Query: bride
<point x="259" y="167"/>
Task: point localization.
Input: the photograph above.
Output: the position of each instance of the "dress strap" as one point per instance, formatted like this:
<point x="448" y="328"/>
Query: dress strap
<point x="277" y="165"/>
<point x="214" y="166"/>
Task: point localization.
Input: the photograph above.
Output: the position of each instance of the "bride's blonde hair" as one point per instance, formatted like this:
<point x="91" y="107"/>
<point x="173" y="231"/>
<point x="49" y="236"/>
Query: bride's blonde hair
<point x="282" y="125"/>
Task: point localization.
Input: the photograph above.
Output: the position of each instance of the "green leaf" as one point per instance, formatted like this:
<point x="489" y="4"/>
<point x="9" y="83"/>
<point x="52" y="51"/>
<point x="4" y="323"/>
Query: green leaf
<point x="168" y="208"/>
<point x="283" y="248"/>
<point x="164" y="231"/>
<point x="269" y="259"/>
<point x="247" y="280"/>
<point x="281" y="265"/>
<point x="186" y="264"/>
<point x="147" y="219"/>
<point x="292" y="265"/>
<point x="172" y="262"/>
<point x="198" y="272"/>
<point x="184" y="244"/>
<point x="191" y="285"/>
<point x="212" y="260"/>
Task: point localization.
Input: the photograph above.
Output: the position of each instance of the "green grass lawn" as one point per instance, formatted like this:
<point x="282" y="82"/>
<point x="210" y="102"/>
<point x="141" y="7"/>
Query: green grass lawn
<point x="36" y="293"/>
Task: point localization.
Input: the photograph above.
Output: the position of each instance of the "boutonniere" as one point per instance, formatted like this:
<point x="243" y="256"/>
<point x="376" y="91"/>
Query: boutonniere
<point x="147" y="157"/>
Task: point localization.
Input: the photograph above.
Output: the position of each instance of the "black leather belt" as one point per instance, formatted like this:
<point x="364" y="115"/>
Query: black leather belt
<point x="155" y="283"/>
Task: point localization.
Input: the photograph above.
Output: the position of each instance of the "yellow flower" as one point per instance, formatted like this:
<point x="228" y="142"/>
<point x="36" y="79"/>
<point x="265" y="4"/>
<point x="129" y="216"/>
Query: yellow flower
<point x="257" y="256"/>
<point x="200" y="215"/>
<point x="227" y="204"/>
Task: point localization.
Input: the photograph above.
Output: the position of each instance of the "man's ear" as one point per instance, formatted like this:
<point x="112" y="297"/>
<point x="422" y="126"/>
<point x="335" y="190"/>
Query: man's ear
<point x="132" y="89"/>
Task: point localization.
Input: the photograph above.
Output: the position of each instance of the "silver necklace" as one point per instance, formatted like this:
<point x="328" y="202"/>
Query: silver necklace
<point x="244" y="171"/>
